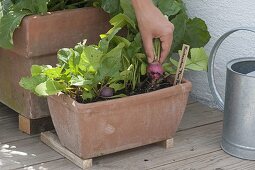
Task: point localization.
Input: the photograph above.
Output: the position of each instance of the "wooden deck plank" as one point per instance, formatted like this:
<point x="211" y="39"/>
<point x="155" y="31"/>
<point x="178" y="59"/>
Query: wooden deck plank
<point x="25" y="152"/>
<point x="59" y="164"/>
<point x="197" y="114"/>
<point x="6" y="112"/>
<point x="188" y="144"/>
<point x="218" y="160"/>
<point x="191" y="100"/>
<point x="9" y="130"/>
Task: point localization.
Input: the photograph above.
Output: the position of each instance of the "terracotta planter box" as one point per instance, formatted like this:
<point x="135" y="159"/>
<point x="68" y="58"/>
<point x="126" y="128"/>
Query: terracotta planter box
<point x="36" y="42"/>
<point x="95" y="129"/>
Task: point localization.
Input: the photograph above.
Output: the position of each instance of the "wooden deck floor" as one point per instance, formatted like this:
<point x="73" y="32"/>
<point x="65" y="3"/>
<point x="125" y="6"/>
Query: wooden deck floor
<point x="197" y="146"/>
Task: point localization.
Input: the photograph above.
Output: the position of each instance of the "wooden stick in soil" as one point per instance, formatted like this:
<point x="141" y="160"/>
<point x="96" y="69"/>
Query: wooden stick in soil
<point x="181" y="65"/>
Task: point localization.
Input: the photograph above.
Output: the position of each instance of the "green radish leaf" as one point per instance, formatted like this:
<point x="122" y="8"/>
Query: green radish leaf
<point x="180" y="27"/>
<point x="50" y="87"/>
<point x="111" y="63"/>
<point x="196" y="34"/>
<point x="8" y="24"/>
<point x="53" y="73"/>
<point x="87" y="95"/>
<point x="156" y="2"/>
<point x="6" y="6"/>
<point x="79" y="81"/>
<point x="74" y="61"/>
<point x="90" y="59"/>
<point x="117" y="86"/>
<point x="64" y="55"/>
<point x="124" y="75"/>
<point x="36" y="70"/>
<point x="174" y="62"/>
<point x="119" y="39"/>
<point x="135" y="46"/>
<point x="111" y="6"/>
<point x="128" y="9"/>
<point x="30" y="83"/>
<point x="143" y="68"/>
<point x="168" y="7"/>
<point x="106" y="39"/>
<point x="169" y="68"/>
<point x="121" y="20"/>
<point x="34" y="6"/>
<point x="198" y="60"/>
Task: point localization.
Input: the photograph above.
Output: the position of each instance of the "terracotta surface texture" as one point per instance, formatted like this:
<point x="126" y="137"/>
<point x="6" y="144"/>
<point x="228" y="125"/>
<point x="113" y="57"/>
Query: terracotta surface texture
<point x="94" y="129"/>
<point x="36" y="42"/>
<point x="44" y="35"/>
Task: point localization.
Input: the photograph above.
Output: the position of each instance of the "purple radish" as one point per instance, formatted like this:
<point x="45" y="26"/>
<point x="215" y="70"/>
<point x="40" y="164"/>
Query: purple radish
<point x="155" y="70"/>
<point x="106" y="92"/>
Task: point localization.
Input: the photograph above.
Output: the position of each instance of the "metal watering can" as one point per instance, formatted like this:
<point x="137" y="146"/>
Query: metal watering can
<point x="238" y="138"/>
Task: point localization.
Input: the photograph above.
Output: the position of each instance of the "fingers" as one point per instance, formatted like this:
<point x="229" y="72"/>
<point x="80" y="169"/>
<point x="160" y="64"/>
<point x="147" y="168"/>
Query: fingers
<point x="166" y="43"/>
<point x="148" y="46"/>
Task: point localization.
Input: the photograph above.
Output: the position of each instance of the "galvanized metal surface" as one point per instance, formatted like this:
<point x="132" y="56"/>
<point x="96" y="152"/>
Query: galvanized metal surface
<point x="239" y="109"/>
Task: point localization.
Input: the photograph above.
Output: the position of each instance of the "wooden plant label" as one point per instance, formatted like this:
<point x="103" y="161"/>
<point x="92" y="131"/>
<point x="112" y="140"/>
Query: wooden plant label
<point x="181" y="65"/>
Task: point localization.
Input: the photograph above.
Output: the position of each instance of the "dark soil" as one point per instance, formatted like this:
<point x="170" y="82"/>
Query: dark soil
<point x="146" y="86"/>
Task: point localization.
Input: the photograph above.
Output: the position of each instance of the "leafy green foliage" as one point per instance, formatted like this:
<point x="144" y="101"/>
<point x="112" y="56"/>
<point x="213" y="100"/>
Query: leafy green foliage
<point x="111" y="6"/>
<point x="180" y="22"/>
<point x="118" y="62"/>
<point x="8" y="24"/>
<point x="196" y="33"/>
<point x="84" y="70"/>
<point x="169" y="8"/>
<point x="33" y="6"/>
<point x="187" y="31"/>
<point x="30" y="83"/>
<point x="198" y="60"/>
<point x="128" y="9"/>
<point x="50" y="87"/>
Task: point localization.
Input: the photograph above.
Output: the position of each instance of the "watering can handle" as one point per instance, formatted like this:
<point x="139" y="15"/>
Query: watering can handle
<point x="215" y="93"/>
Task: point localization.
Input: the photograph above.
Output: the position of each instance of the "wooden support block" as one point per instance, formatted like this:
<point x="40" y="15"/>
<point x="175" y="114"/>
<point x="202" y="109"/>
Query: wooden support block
<point x="169" y="143"/>
<point x="34" y="126"/>
<point x="52" y="141"/>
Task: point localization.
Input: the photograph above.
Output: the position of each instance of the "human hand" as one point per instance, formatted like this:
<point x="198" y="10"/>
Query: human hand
<point x="152" y="24"/>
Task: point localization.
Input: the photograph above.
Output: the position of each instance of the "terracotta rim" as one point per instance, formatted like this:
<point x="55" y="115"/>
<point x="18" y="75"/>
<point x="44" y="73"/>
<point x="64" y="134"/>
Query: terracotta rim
<point x="185" y="87"/>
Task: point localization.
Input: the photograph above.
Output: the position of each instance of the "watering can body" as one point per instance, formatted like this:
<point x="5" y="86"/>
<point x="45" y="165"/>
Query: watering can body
<point x="238" y="137"/>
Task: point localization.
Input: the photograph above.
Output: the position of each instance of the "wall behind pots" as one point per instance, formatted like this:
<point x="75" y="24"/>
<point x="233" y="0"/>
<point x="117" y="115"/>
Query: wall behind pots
<point x="222" y="16"/>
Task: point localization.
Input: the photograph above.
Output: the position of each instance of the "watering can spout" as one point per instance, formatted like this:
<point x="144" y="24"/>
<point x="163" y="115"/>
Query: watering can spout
<point x="217" y="97"/>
